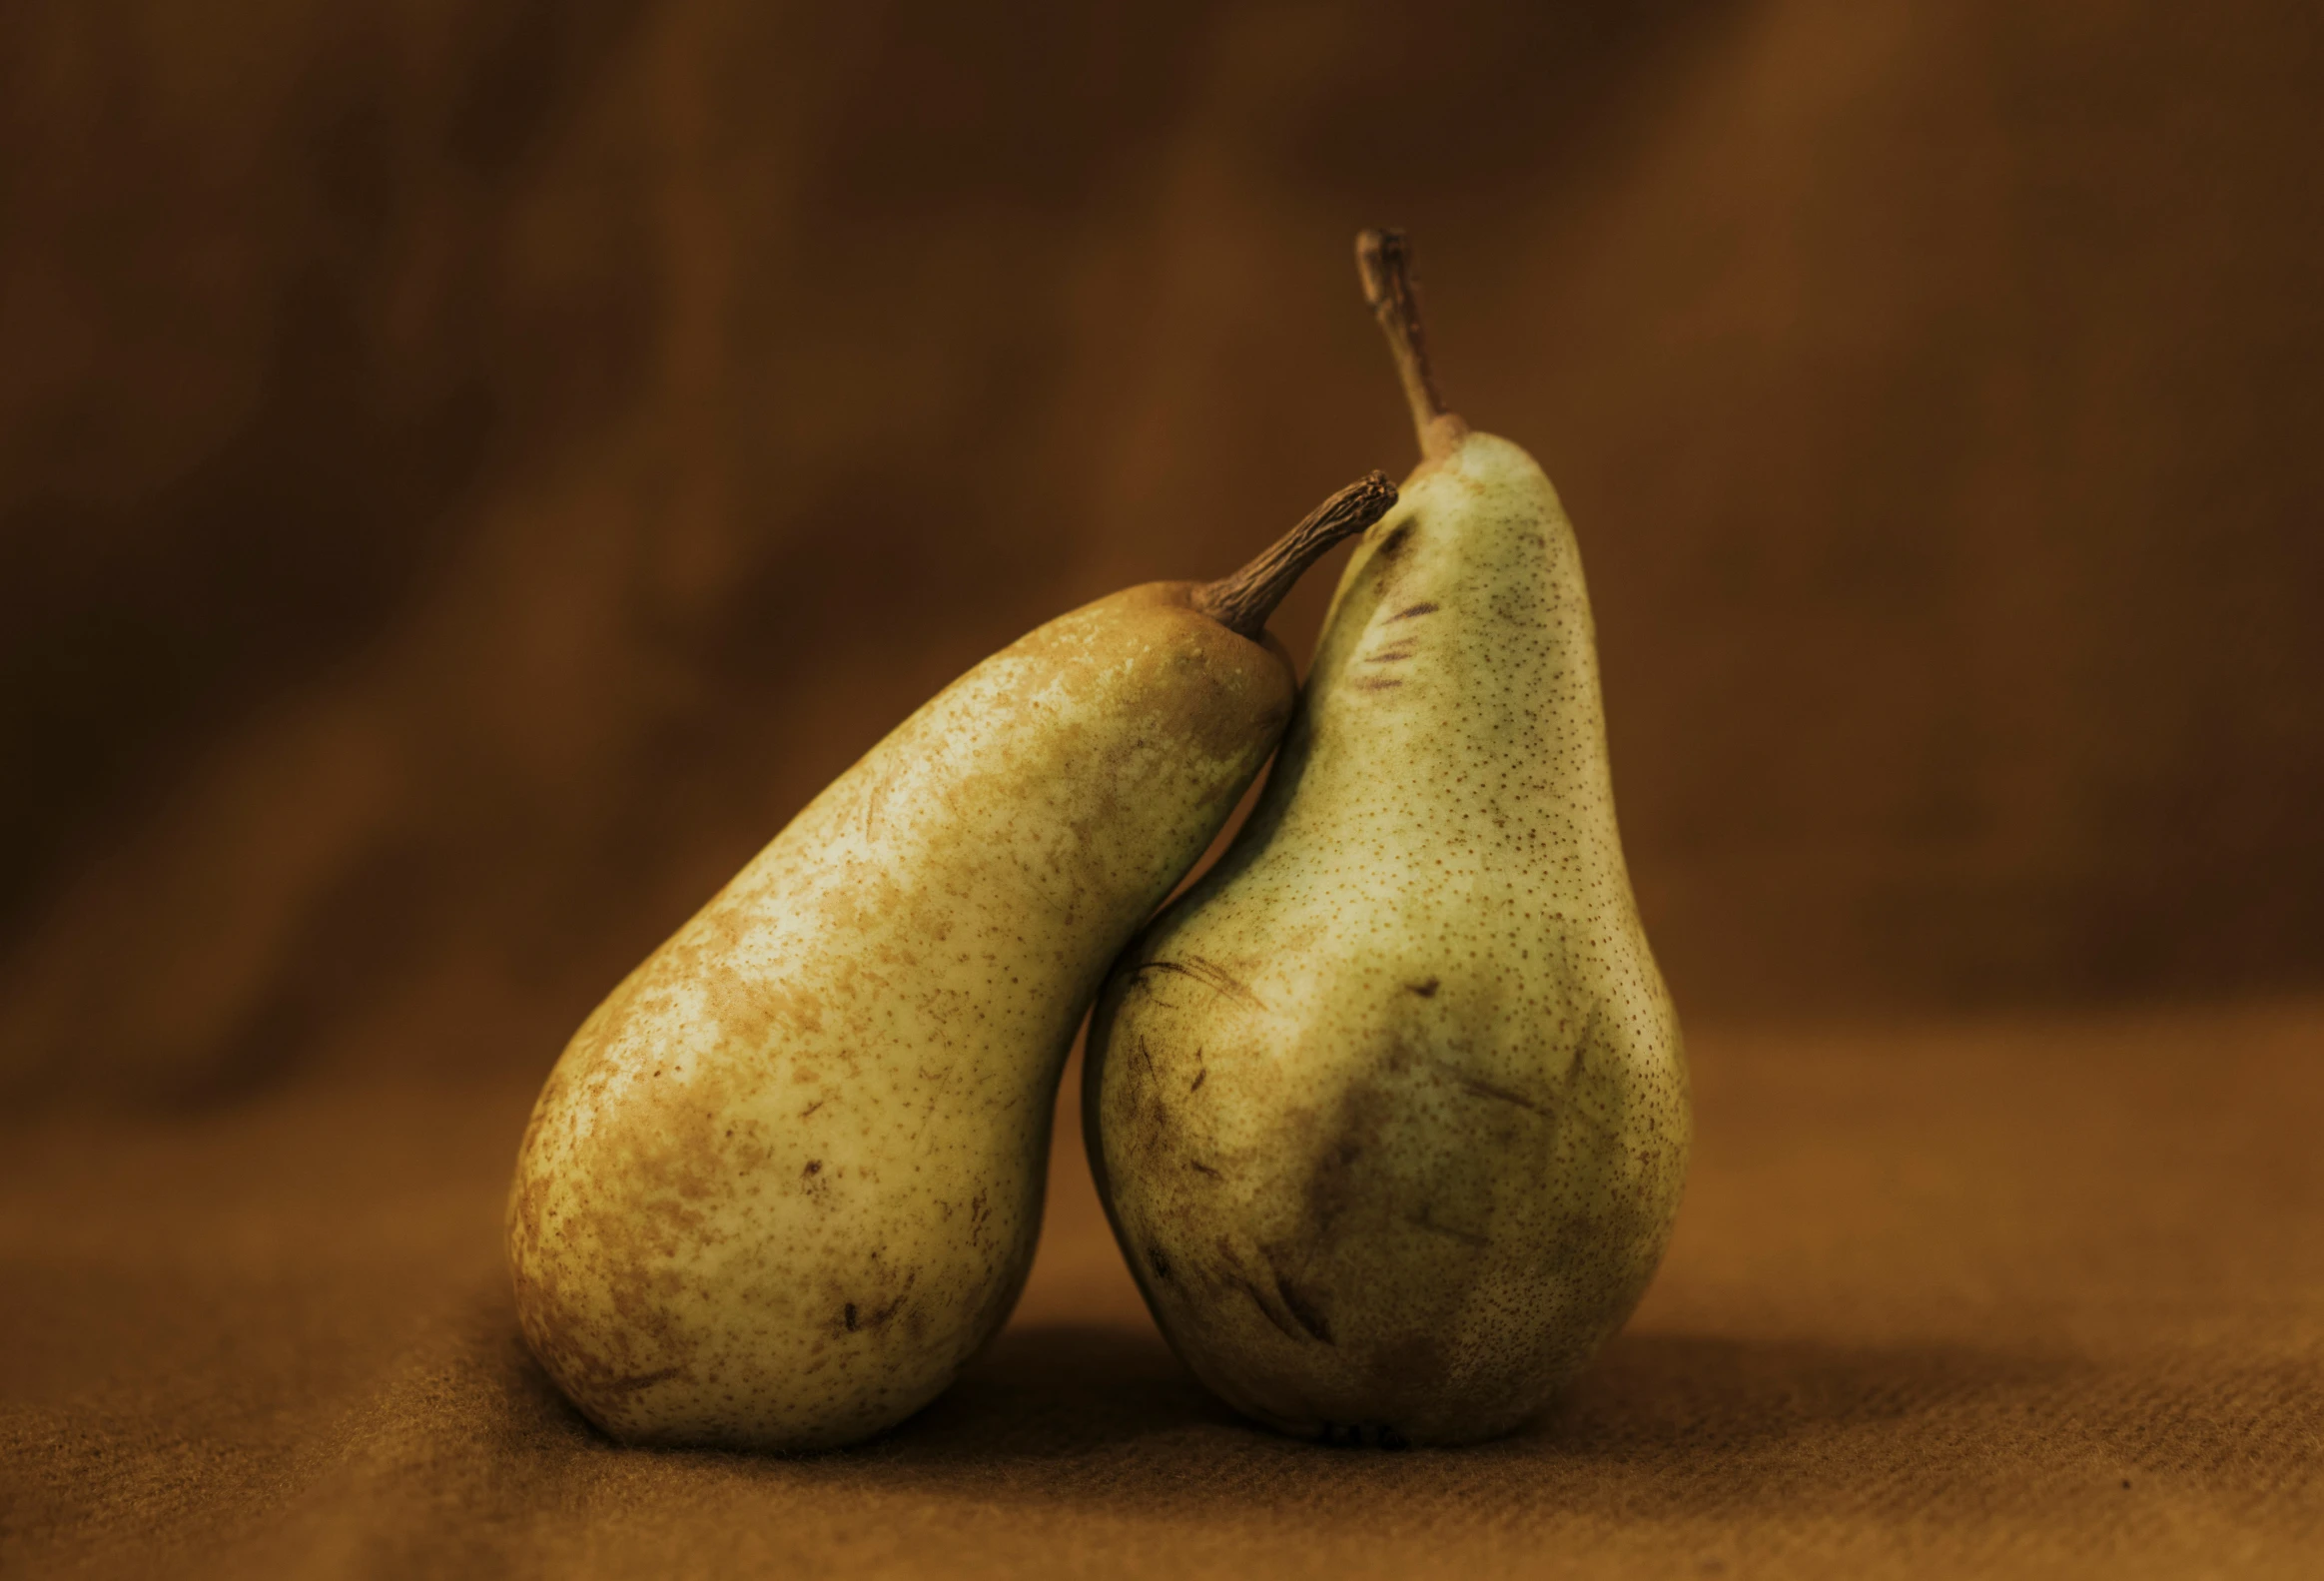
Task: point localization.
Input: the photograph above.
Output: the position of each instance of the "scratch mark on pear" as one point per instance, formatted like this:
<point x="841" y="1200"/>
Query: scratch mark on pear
<point x="1302" y="1304"/>
<point x="1236" y="1279"/>
<point x="1477" y="1086"/>
<point x="1211" y="975"/>
<point x="1467" y="1238"/>
<point x="1303" y="1311"/>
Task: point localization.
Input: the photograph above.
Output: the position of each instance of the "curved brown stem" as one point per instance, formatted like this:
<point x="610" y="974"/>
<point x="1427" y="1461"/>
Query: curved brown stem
<point x="1385" y="263"/>
<point x="1243" y="603"/>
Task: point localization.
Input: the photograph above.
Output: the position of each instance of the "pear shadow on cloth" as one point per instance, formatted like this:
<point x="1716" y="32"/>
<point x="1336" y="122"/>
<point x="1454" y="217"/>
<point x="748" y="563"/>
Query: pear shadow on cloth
<point x="1084" y="1392"/>
<point x="1105" y="1418"/>
<point x="1061" y="1390"/>
<point x="1070" y="1419"/>
<point x="1101" y="1419"/>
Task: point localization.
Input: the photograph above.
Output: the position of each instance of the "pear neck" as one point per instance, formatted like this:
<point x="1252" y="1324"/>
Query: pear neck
<point x="1442" y="435"/>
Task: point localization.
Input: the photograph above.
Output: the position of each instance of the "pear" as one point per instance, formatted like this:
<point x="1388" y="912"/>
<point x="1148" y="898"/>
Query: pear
<point x="1390" y="1110"/>
<point x="787" y="1178"/>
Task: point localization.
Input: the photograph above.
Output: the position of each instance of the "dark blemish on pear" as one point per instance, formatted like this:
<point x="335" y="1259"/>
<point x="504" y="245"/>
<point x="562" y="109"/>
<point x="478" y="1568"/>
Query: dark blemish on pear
<point x="1416" y="609"/>
<point x="1208" y="973"/>
<point x="814" y="1167"/>
<point x="1393" y="544"/>
<point x="893" y="1307"/>
<point x="1331" y="1185"/>
<point x="642" y="1380"/>
<point x="1374" y="683"/>
<point x="1426" y="988"/>
<point x="1305" y="1309"/>
<point x="1235" y="1279"/>
<point x="1200" y="1167"/>
<point x="849" y="1315"/>
<point x="1201" y="1077"/>
<point x="1213" y="977"/>
<point x="1477" y="1086"/>
<point x="1225" y="982"/>
<point x="1421" y="1220"/>
<point x="1159" y="1262"/>
<point x="1239" y="1282"/>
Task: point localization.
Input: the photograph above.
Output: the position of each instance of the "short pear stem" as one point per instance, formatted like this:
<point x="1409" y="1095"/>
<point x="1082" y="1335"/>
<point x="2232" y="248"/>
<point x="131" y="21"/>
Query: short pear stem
<point x="1243" y="603"/>
<point x="1385" y="263"/>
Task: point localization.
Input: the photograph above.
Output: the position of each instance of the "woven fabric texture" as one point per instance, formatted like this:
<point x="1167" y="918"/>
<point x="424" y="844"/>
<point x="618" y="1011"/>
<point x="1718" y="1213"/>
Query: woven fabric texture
<point x="1999" y="1298"/>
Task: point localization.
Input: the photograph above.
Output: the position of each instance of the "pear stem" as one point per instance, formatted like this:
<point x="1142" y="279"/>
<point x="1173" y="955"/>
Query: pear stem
<point x="1385" y="263"/>
<point x="1243" y="603"/>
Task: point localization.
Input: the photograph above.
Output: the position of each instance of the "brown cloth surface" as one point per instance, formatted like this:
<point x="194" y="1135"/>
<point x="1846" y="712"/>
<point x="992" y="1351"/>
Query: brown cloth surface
<point x="468" y="472"/>
<point x="2007" y="1297"/>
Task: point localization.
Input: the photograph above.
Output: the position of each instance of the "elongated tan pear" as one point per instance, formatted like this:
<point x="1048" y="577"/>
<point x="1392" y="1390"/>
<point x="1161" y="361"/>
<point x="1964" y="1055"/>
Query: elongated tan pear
<point x="1390" y="1110"/>
<point x="787" y="1178"/>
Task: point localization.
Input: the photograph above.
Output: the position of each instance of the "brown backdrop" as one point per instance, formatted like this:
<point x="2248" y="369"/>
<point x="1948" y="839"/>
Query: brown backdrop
<point x="472" y="472"/>
<point x="469" y="472"/>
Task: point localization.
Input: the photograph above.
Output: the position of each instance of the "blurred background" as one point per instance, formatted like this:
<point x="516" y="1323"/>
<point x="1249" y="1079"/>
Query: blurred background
<point x="469" y="472"/>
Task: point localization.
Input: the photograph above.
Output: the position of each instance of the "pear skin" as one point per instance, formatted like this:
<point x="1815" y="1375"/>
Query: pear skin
<point x="787" y="1178"/>
<point x="1390" y="1110"/>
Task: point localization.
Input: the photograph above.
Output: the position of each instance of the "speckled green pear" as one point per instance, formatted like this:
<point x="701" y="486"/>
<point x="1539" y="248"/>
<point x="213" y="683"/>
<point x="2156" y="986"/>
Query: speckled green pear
<point x="787" y="1178"/>
<point x="1390" y="1110"/>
